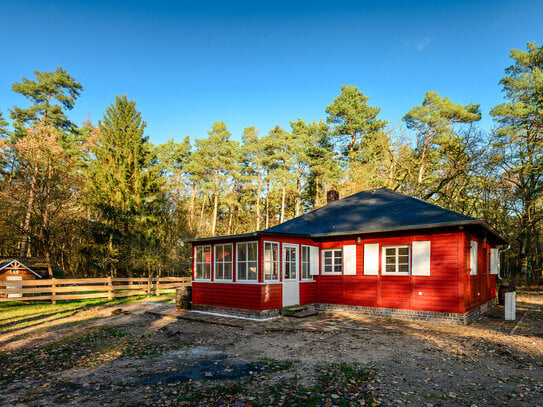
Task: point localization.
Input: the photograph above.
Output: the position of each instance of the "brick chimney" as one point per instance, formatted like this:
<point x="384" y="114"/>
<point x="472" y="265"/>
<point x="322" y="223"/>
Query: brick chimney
<point x="332" y="196"/>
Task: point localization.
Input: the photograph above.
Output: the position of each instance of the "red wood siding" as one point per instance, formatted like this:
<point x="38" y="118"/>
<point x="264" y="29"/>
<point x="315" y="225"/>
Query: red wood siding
<point x="481" y="287"/>
<point x="437" y="292"/>
<point x="247" y="296"/>
<point x="271" y="296"/>
<point x="449" y="288"/>
<point x="308" y="292"/>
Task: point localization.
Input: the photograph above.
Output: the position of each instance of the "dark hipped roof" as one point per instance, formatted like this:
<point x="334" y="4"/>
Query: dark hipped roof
<point x="378" y="210"/>
<point x="373" y="211"/>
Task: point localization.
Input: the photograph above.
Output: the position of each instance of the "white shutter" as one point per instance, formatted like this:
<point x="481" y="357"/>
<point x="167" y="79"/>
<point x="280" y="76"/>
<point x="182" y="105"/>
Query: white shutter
<point x="313" y="260"/>
<point x="421" y="258"/>
<point x="371" y="259"/>
<point x="349" y="260"/>
<point x="473" y="258"/>
<point x="494" y="261"/>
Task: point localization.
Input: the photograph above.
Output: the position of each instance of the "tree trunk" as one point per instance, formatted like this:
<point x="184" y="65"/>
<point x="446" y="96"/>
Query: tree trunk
<point x="297" y="209"/>
<point x="44" y="233"/>
<point x="215" y="207"/>
<point x="316" y="200"/>
<point x="268" y="202"/>
<point x="258" y="192"/>
<point x="26" y="224"/>
<point x="283" y="198"/>
<point x="230" y="219"/>
<point x="191" y="207"/>
<point x="201" y="220"/>
<point x="422" y="165"/>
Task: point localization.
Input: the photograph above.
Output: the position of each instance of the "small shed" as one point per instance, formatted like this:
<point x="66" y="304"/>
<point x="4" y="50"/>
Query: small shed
<point x="17" y="269"/>
<point x="376" y="252"/>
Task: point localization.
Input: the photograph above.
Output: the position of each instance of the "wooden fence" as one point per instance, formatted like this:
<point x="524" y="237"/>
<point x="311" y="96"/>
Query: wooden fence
<point x="85" y="288"/>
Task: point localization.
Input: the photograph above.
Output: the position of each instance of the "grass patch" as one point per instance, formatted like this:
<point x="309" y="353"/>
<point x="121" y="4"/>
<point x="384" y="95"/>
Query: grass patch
<point x="17" y="315"/>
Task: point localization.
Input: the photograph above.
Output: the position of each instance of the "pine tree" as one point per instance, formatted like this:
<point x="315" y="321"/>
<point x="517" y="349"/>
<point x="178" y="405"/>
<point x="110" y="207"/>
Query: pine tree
<point x="42" y="92"/>
<point x="46" y="115"/>
<point x="324" y="166"/>
<point x="253" y="172"/>
<point x="352" y="119"/>
<point x="213" y="160"/>
<point x="124" y="186"/>
<point x="280" y="146"/>
<point x="519" y="151"/>
<point x="434" y="122"/>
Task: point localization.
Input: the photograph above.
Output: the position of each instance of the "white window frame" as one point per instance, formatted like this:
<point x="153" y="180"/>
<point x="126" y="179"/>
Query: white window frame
<point x="383" y="260"/>
<point x="296" y="261"/>
<point x="241" y="280"/>
<point x="231" y="262"/>
<point x="323" y="257"/>
<point x="196" y="262"/>
<point x="271" y="261"/>
<point x="308" y="262"/>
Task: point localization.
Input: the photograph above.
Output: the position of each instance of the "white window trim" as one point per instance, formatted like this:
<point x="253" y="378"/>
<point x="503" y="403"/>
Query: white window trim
<point x="237" y="260"/>
<point x="310" y="277"/>
<point x="215" y="278"/>
<point x="210" y="263"/>
<point x="331" y="273"/>
<point x="278" y="279"/>
<point x="297" y="264"/>
<point x="383" y="260"/>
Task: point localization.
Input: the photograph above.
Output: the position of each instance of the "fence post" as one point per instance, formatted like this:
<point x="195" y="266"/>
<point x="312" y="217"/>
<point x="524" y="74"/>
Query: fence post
<point x="53" y="292"/>
<point x="158" y="286"/>
<point x="149" y="285"/>
<point x="110" y="288"/>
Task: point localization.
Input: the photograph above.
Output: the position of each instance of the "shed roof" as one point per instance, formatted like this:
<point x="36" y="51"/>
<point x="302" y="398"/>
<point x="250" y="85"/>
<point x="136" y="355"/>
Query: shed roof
<point x="5" y="263"/>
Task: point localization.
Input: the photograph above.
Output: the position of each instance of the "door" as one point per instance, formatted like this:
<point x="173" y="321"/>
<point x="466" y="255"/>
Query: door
<point x="291" y="284"/>
<point x="14" y="287"/>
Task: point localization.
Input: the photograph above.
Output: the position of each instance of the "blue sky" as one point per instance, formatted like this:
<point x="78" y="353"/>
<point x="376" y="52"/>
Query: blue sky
<point x="190" y="63"/>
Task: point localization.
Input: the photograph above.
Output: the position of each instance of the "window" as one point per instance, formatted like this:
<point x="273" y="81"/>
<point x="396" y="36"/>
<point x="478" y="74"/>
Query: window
<point x="332" y="261"/>
<point x="202" y="263"/>
<point x="396" y="260"/>
<point x="247" y="260"/>
<point x="290" y="260"/>
<point x="271" y="261"/>
<point x="223" y="262"/>
<point x="14" y="271"/>
<point x="306" y="262"/>
<point x="473" y="258"/>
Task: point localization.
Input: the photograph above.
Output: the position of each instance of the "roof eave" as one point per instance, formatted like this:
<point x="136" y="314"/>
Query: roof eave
<point x="415" y="227"/>
<point x="222" y="238"/>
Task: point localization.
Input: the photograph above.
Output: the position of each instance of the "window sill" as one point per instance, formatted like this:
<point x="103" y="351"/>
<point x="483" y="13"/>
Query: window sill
<point x="395" y="274"/>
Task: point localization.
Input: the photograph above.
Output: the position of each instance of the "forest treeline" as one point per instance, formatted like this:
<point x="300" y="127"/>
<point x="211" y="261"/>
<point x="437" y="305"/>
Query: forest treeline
<point x="99" y="199"/>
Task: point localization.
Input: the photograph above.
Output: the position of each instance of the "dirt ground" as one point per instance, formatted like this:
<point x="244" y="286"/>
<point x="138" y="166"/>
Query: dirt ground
<point x="92" y="357"/>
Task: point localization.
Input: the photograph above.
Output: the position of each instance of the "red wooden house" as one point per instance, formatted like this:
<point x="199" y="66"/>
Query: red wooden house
<point x="375" y="252"/>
